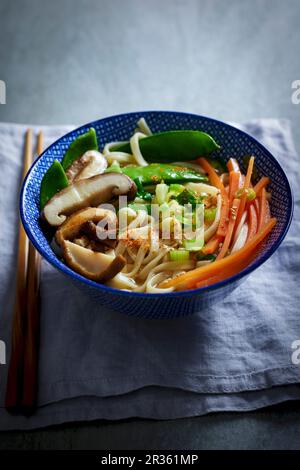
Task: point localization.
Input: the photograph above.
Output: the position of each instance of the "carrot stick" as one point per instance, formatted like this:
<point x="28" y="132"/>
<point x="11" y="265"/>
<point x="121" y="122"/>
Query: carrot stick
<point x="262" y="209"/>
<point x="262" y="183"/>
<point x="212" y="245"/>
<point x="249" y="173"/>
<point x="216" y="181"/>
<point x="223" y="224"/>
<point x="244" y="196"/>
<point x="253" y="222"/>
<point x="214" y="178"/>
<point x="221" y="276"/>
<point x="233" y="165"/>
<point x="231" y="225"/>
<point x="204" y="272"/>
<point x="234" y="184"/>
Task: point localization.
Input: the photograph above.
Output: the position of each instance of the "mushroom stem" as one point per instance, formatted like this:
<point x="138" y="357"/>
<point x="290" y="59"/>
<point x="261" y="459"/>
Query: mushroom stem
<point x="96" y="266"/>
<point x="90" y="164"/>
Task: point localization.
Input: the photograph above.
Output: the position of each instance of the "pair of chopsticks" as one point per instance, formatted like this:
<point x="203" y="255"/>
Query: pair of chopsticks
<point x="21" y="388"/>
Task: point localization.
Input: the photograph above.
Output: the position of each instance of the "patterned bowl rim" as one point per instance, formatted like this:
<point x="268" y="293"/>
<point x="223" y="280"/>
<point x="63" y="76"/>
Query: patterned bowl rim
<point x="102" y="287"/>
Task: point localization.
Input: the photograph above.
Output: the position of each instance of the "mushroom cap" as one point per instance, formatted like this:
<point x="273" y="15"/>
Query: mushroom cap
<point x="99" y="267"/>
<point x="87" y="192"/>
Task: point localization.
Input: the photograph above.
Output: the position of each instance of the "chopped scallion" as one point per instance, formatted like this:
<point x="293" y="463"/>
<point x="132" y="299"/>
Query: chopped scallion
<point x="179" y="255"/>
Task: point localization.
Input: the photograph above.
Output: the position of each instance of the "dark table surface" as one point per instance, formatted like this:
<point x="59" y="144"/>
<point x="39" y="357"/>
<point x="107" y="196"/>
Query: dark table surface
<point x="71" y="61"/>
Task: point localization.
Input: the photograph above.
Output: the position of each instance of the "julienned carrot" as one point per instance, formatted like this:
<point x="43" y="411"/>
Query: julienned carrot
<point x="216" y="181"/>
<point x="214" y="178"/>
<point x="244" y="195"/>
<point x="231" y="225"/>
<point x="249" y="173"/>
<point x="223" y="224"/>
<point x="222" y="265"/>
<point x="231" y="271"/>
<point x="262" y="183"/>
<point x="212" y="245"/>
<point x="252" y="222"/>
<point x="220" y="276"/>
<point x="233" y="165"/>
<point x="234" y="185"/>
<point x="263" y="209"/>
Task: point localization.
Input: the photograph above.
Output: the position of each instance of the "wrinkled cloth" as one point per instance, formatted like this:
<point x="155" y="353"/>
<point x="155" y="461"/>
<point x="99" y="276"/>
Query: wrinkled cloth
<point x="95" y="363"/>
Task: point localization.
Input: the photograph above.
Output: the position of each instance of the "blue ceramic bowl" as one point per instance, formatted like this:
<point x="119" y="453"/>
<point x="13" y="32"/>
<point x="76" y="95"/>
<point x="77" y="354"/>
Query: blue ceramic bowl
<point x="234" y="142"/>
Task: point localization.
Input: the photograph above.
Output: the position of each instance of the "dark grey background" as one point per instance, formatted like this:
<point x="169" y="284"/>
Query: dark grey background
<point x="72" y="61"/>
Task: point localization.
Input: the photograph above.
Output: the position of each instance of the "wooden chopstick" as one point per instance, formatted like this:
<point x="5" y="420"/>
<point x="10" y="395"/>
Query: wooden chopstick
<point x="15" y="370"/>
<point x="32" y="327"/>
<point x="21" y="388"/>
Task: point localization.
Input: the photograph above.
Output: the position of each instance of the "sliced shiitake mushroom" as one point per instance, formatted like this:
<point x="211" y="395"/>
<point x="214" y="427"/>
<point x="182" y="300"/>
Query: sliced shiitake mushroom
<point x="87" y="192"/>
<point x="121" y="281"/>
<point x="99" y="235"/>
<point x="83" y="240"/>
<point x="99" y="267"/>
<point x="76" y="222"/>
<point x="90" y="164"/>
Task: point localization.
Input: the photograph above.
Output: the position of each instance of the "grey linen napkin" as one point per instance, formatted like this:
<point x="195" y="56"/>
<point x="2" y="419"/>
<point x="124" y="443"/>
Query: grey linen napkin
<point x="95" y="363"/>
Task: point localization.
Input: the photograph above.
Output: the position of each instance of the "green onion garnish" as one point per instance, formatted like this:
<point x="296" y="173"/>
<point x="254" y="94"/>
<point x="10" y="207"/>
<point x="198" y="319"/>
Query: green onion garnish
<point x="179" y="255"/>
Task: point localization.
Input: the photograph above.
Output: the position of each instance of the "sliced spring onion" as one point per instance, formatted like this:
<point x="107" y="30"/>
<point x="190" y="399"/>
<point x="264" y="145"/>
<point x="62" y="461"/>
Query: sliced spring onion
<point x="175" y="190"/>
<point x="210" y="214"/>
<point x="179" y="255"/>
<point x="251" y="194"/>
<point x="161" y="193"/>
<point x="193" y="245"/>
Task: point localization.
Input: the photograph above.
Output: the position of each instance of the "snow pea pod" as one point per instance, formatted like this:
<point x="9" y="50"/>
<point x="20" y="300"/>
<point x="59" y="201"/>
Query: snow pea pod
<point x="157" y="172"/>
<point x="53" y="181"/>
<point x="79" y="146"/>
<point x="172" y="146"/>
